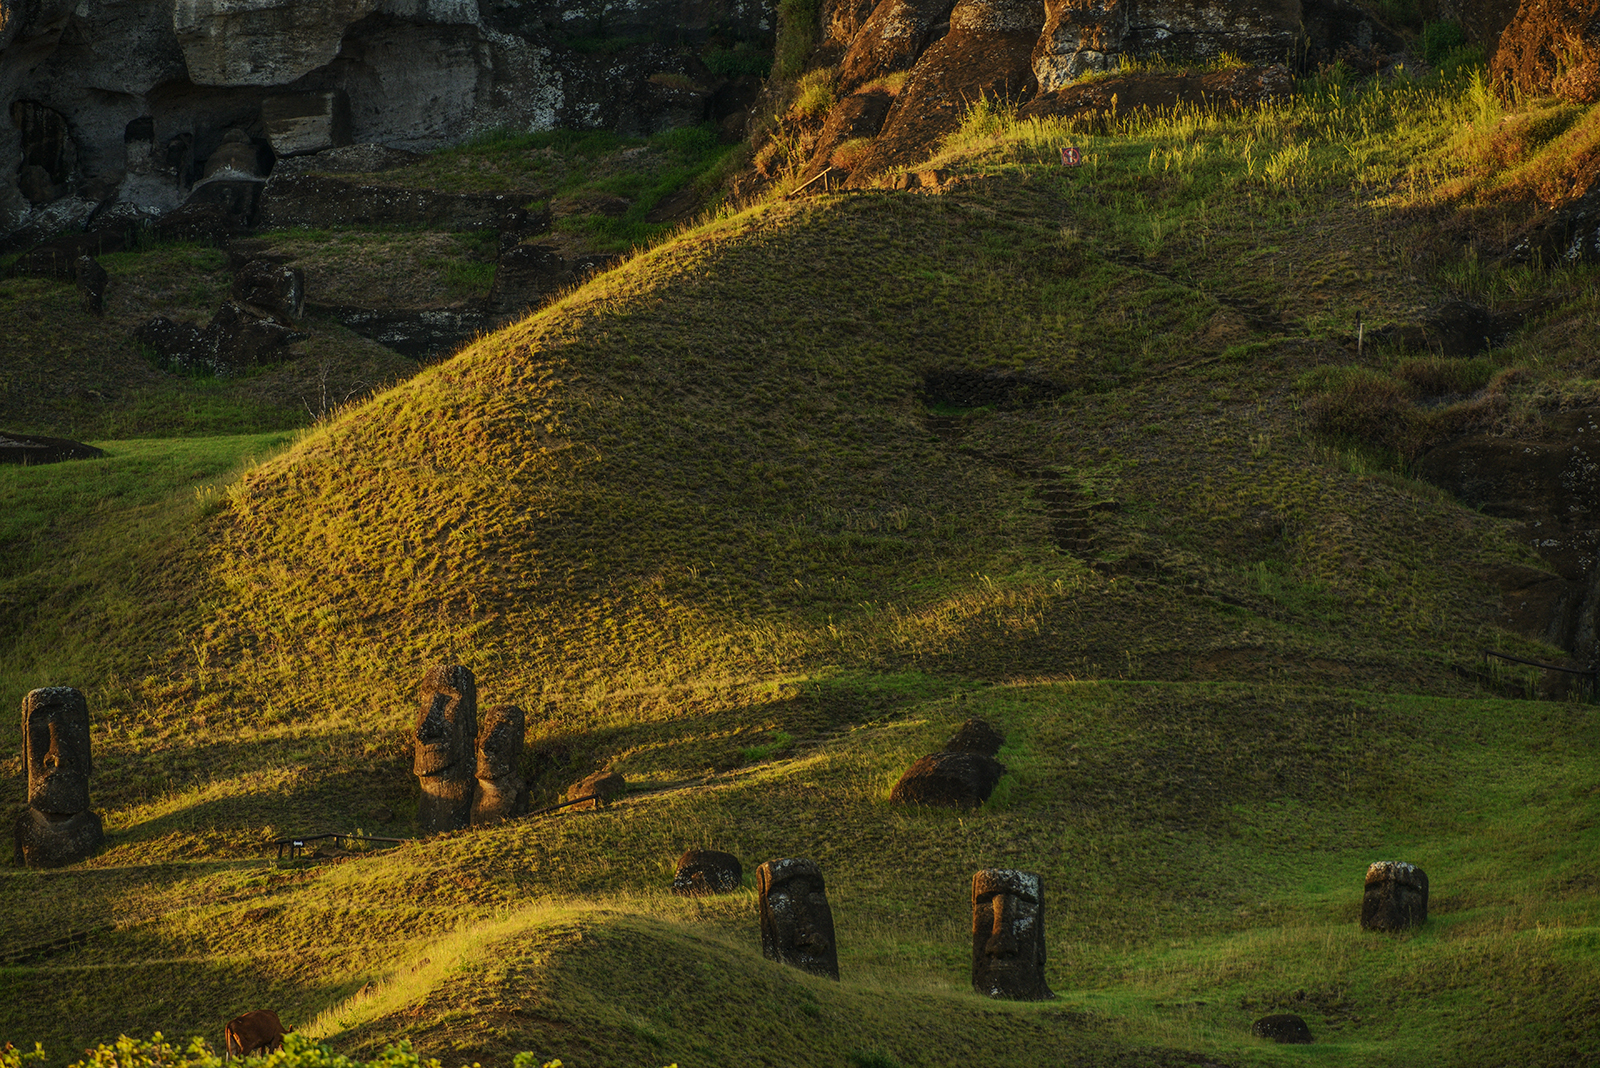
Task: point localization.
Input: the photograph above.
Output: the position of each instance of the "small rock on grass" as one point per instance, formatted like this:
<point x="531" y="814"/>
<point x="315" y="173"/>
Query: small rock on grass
<point x="1283" y="1027"/>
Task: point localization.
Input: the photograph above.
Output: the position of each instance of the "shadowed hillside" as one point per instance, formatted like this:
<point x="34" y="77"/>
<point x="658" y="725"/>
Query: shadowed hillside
<point x="756" y="519"/>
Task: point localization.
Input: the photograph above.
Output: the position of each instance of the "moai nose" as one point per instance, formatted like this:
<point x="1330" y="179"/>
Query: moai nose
<point x="1002" y="939"/>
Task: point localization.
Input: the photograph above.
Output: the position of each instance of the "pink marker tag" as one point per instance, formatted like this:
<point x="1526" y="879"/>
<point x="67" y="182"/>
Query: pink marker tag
<point x="1070" y="156"/>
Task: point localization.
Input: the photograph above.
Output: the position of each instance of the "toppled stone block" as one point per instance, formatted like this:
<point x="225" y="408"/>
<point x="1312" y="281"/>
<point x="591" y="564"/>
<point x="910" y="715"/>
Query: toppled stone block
<point x="302" y="123"/>
<point x="602" y="787"/>
<point x="236" y="337"/>
<point x="1395" y="898"/>
<point x="273" y="288"/>
<point x="975" y="736"/>
<point x="707" y="871"/>
<point x="948" y="780"/>
<point x="1284" y="1027"/>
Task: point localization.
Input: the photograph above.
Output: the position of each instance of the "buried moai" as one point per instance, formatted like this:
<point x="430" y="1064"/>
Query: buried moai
<point x="446" y="739"/>
<point x="796" y="921"/>
<point x="1008" y="935"/>
<point x="707" y="871"/>
<point x="1395" y="897"/>
<point x="501" y="791"/>
<point x="57" y="827"/>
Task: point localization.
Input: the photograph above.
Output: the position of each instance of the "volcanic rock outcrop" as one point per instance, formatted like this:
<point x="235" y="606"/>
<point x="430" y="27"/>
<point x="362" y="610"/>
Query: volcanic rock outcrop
<point x="106" y="103"/>
<point x="950" y="55"/>
<point x="1551" y="46"/>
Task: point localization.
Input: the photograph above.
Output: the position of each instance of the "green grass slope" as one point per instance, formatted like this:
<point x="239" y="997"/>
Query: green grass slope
<point x="703" y="520"/>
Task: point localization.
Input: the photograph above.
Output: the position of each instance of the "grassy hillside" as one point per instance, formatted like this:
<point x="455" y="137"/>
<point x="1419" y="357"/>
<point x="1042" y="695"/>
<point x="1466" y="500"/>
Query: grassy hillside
<point x="757" y="519"/>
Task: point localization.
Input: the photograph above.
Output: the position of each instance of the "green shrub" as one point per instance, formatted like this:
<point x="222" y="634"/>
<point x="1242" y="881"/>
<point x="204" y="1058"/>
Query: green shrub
<point x="797" y="36"/>
<point x="1440" y="39"/>
<point x="742" y="58"/>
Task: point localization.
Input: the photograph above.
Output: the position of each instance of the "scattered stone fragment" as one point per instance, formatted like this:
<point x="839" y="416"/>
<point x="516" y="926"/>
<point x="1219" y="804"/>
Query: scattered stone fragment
<point x="1283" y="1027"/>
<point x="707" y="871"/>
<point x="1396" y="897"/>
<point x="796" y="919"/>
<point x="272" y="289"/>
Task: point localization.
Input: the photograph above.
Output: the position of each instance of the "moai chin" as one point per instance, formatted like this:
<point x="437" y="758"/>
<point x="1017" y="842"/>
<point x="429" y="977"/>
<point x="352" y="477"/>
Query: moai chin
<point x="1395" y="897"/>
<point x="446" y="740"/>
<point x="57" y="827"/>
<point x="501" y="791"/>
<point x="796" y="921"/>
<point x="1008" y="935"/>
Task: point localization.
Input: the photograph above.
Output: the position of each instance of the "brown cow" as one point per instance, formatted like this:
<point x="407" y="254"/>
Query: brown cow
<point x="258" y="1030"/>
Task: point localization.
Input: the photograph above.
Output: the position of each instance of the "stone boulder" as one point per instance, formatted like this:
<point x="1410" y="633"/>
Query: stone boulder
<point x="892" y="39"/>
<point x="602" y="788"/>
<point x="1570" y="233"/>
<point x="237" y="337"/>
<point x="1283" y="1027"/>
<point x="707" y="871"/>
<point x="948" y="780"/>
<point x="986" y="55"/>
<point x="859" y="115"/>
<point x="1395" y="897"/>
<point x="60" y="258"/>
<point x="1551" y="46"/>
<point x="422" y="334"/>
<point x="272" y="289"/>
<point x="28" y="449"/>
<point x="975" y="736"/>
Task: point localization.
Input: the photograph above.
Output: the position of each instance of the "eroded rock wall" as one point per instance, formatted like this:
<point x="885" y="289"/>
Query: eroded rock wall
<point x="147" y="90"/>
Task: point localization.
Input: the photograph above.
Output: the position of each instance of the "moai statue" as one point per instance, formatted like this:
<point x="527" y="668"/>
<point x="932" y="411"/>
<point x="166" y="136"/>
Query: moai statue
<point x="57" y="827"/>
<point x="796" y="922"/>
<point x="1008" y="935"/>
<point x="502" y="792"/>
<point x="1396" y="897"/>
<point x="707" y="871"/>
<point x="446" y="740"/>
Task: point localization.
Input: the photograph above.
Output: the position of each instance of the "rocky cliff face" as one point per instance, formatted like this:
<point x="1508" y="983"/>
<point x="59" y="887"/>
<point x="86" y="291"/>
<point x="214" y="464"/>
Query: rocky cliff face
<point x="907" y="70"/>
<point x="128" y="102"/>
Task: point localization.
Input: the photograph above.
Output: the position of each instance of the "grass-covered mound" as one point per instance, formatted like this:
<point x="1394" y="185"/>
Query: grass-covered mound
<point x="757" y="519"/>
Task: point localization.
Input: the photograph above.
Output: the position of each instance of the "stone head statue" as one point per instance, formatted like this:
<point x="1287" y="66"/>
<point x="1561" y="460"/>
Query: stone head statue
<point x="55" y="731"/>
<point x="501" y="789"/>
<point x="57" y="827"/>
<point x="1008" y="935"/>
<point x="446" y="743"/>
<point x="796" y="922"/>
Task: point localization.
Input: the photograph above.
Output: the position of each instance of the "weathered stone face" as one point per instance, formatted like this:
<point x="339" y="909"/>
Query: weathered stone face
<point x="796" y="920"/>
<point x="55" y="729"/>
<point x="707" y="871"/>
<point x="501" y="790"/>
<point x="1008" y="935"/>
<point x="446" y="737"/>
<point x="1395" y="897"/>
<point x="57" y="827"/>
